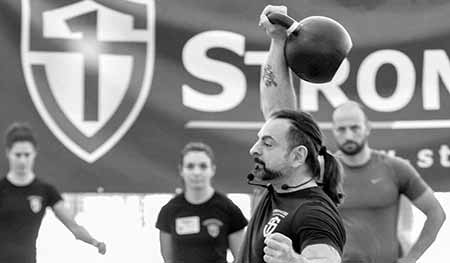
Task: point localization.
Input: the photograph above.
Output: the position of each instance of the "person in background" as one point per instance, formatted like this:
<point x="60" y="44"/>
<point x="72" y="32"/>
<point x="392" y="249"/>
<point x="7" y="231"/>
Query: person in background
<point x="24" y="199"/>
<point x="374" y="183"/>
<point x="199" y="224"/>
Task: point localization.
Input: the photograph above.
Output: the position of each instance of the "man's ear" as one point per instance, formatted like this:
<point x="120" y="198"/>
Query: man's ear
<point x="298" y="155"/>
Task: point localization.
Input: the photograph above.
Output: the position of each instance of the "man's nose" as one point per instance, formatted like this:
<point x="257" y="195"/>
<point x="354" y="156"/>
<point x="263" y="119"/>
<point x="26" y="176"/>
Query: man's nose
<point x="348" y="134"/>
<point x="254" y="150"/>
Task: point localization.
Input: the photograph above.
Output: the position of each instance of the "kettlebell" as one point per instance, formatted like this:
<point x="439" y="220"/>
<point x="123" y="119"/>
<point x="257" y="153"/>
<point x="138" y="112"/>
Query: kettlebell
<point x="315" y="46"/>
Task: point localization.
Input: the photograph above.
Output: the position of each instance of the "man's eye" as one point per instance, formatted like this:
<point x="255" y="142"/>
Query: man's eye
<point x="267" y="144"/>
<point x="355" y="128"/>
<point x="203" y="166"/>
<point x="190" y="166"/>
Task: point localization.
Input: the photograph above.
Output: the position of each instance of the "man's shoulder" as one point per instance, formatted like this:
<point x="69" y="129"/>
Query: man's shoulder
<point x="319" y="203"/>
<point x="317" y="212"/>
<point x="388" y="159"/>
<point x="399" y="167"/>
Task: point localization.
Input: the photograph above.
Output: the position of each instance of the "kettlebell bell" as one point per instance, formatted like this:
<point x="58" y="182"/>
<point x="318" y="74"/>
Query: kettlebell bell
<point x="315" y="46"/>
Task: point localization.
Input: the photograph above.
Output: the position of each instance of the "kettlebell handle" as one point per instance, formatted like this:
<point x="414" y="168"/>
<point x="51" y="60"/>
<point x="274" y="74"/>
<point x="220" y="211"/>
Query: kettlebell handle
<point x="280" y="19"/>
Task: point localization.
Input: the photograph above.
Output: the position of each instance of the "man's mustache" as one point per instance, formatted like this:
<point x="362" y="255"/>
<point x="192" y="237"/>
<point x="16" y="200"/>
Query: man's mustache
<point x="259" y="161"/>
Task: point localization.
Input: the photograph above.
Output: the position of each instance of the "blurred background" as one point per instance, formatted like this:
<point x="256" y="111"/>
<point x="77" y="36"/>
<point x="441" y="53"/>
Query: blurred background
<point x="115" y="88"/>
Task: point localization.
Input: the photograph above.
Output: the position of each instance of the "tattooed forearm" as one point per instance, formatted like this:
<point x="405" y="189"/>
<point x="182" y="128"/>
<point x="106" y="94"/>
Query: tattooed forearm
<point x="269" y="77"/>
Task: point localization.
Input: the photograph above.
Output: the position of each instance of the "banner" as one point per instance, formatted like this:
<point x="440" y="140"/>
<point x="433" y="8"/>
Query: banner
<point x="114" y="89"/>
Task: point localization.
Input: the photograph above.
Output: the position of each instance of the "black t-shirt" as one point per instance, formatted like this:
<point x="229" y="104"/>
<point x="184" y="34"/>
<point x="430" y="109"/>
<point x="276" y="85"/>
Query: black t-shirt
<point x="200" y="231"/>
<point x="21" y="211"/>
<point x="307" y="217"/>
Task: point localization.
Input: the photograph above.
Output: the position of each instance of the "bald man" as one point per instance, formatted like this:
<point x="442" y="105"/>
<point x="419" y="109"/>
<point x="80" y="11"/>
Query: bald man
<point x="373" y="183"/>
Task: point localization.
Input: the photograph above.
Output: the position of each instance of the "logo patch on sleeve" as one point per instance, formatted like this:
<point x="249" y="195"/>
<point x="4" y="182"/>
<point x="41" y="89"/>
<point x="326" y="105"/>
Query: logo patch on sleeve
<point x="213" y="226"/>
<point x="35" y="203"/>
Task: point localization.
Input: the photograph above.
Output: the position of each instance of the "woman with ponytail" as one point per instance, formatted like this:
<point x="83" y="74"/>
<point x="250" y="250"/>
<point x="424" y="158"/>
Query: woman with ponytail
<point x="199" y="224"/>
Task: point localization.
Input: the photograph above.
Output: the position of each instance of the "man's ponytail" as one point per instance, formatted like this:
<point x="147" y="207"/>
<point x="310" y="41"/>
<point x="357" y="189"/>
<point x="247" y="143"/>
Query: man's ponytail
<point x="332" y="177"/>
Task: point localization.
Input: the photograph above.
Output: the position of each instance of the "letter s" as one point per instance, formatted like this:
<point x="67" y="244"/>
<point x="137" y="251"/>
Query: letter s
<point x="231" y="78"/>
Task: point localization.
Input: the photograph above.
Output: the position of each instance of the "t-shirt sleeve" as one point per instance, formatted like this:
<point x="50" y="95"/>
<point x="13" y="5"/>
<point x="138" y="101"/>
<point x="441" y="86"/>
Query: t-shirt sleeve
<point x="315" y="225"/>
<point x="163" y="220"/>
<point x="410" y="182"/>
<point x="53" y="195"/>
<point x="237" y="218"/>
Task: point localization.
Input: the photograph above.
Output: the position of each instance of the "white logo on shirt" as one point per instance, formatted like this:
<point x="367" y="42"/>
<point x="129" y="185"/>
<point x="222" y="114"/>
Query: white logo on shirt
<point x="213" y="226"/>
<point x="376" y="180"/>
<point x="187" y="225"/>
<point x="277" y="215"/>
<point x="35" y="203"/>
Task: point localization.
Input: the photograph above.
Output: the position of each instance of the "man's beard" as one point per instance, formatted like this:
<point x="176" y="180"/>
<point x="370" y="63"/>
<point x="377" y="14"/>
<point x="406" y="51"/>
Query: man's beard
<point x="352" y="148"/>
<point x="264" y="174"/>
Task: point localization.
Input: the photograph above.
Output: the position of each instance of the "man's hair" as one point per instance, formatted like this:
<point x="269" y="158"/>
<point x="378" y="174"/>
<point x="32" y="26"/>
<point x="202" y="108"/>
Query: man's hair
<point x="305" y="131"/>
<point x="197" y="147"/>
<point x="19" y="132"/>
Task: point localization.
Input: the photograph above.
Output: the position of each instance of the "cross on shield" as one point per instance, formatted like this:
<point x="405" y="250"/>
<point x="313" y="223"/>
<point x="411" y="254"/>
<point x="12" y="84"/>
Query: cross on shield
<point x="88" y="67"/>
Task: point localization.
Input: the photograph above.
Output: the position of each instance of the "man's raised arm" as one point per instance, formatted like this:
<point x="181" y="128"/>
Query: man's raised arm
<point x="276" y="88"/>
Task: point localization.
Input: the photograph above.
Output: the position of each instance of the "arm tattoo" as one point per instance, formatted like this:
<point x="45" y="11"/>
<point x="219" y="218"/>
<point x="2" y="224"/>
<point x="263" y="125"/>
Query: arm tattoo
<point x="269" y="77"/>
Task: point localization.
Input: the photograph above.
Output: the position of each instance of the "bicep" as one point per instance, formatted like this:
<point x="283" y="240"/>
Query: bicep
<point x="165" y="240"/>
<point x="321" y="253"/>
<point x="428" y="203"/>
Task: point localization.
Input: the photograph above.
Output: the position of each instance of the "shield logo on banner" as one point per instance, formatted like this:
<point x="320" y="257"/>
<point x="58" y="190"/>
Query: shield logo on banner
<point x="88" y="66"/>
<point x="35" y="203"/>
